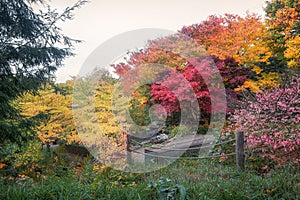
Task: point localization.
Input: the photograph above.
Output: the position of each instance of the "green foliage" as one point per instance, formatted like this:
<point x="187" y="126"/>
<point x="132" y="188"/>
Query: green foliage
<point x="32" y="47"/>
<point x="223" y="147"/>
<point x="179" y="130"/>
<point x="201" y="179"/>
<point x="139" y="106"/>
<point x="22" y="160"/>
<point x="282" y="20"/>
<point x="165" y="191"/>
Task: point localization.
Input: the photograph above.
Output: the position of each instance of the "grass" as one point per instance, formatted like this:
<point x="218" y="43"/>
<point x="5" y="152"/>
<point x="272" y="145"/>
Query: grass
<point x="202" y="180"/>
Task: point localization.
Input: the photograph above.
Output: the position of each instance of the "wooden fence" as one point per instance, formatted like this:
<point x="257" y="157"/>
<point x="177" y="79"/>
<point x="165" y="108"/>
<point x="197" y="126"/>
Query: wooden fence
<point x="188" y="145"/>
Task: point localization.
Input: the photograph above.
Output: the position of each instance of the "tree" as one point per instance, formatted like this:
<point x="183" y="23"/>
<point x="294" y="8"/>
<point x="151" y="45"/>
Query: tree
<point x="282" y="20"/>
<point x="232" y="36"/>
<point x="103" y="108"/>
<point x="149" y="64"/>
<point x="244" y="39"/>
<point x="54" y="103"/>
<point x="233" y="76"/>
<point x="32" y="47"/>
<point x="97" y="123"/>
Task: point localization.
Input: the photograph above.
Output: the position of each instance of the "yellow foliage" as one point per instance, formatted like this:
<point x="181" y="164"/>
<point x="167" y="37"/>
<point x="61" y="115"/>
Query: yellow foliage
<point x="142" y="100"/>
<point x="257" y="69"/>
<point x="283" y="23"/>
<point x="59" y="120"/>
<point x="103" y="107"/>
<point x="267" y="80"/>
<point x="293" y="52"/>
<point x="249" y="84"/>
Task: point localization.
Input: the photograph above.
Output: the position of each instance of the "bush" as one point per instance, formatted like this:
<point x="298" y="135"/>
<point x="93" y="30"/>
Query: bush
<point x="271" y="125"/>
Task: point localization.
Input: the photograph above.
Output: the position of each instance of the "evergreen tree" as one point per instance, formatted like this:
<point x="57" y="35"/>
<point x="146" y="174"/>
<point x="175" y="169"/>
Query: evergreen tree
<point x="32" y="47"/>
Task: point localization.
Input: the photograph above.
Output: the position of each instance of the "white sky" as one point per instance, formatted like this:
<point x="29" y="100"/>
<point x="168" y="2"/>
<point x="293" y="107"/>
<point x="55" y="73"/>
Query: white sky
<point x="100" y="20"/>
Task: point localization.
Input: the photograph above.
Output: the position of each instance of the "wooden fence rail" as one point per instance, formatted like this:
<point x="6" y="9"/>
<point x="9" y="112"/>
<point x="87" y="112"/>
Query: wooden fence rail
<point x="157" y="153"/>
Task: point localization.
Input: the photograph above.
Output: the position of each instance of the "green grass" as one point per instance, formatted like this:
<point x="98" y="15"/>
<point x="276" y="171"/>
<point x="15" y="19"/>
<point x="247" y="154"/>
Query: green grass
<point x="202" y="180"/>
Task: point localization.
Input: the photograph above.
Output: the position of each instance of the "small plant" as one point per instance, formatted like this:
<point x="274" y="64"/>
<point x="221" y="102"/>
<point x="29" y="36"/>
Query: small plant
<point x="179" y="130"/>
<point x="224" y="145"/>
<point x="167" y="191"/>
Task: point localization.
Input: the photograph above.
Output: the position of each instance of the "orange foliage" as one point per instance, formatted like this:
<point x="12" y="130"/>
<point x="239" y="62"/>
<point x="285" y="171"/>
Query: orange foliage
<point x="282" y="19"/>
<point x="232" y="36"/>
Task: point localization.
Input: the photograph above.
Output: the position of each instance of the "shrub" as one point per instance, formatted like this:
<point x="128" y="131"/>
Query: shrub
<point x="271" y="125"/>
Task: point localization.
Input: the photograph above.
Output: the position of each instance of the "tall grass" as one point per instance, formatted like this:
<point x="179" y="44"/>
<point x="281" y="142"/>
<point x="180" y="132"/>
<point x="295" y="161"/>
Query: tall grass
<point x="202" y="180"/>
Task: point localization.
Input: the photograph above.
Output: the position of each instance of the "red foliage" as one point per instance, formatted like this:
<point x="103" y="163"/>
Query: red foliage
<point x="166" y="92"/>
<point x="121" y="69"/>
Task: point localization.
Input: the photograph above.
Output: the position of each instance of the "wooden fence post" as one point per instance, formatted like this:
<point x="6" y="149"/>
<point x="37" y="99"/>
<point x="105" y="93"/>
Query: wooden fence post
<point x="128" y="149"/>
<point x="240" y="155"/>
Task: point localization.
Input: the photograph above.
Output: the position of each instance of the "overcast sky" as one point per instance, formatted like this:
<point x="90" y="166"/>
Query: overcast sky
<point x="100" y="20"/>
